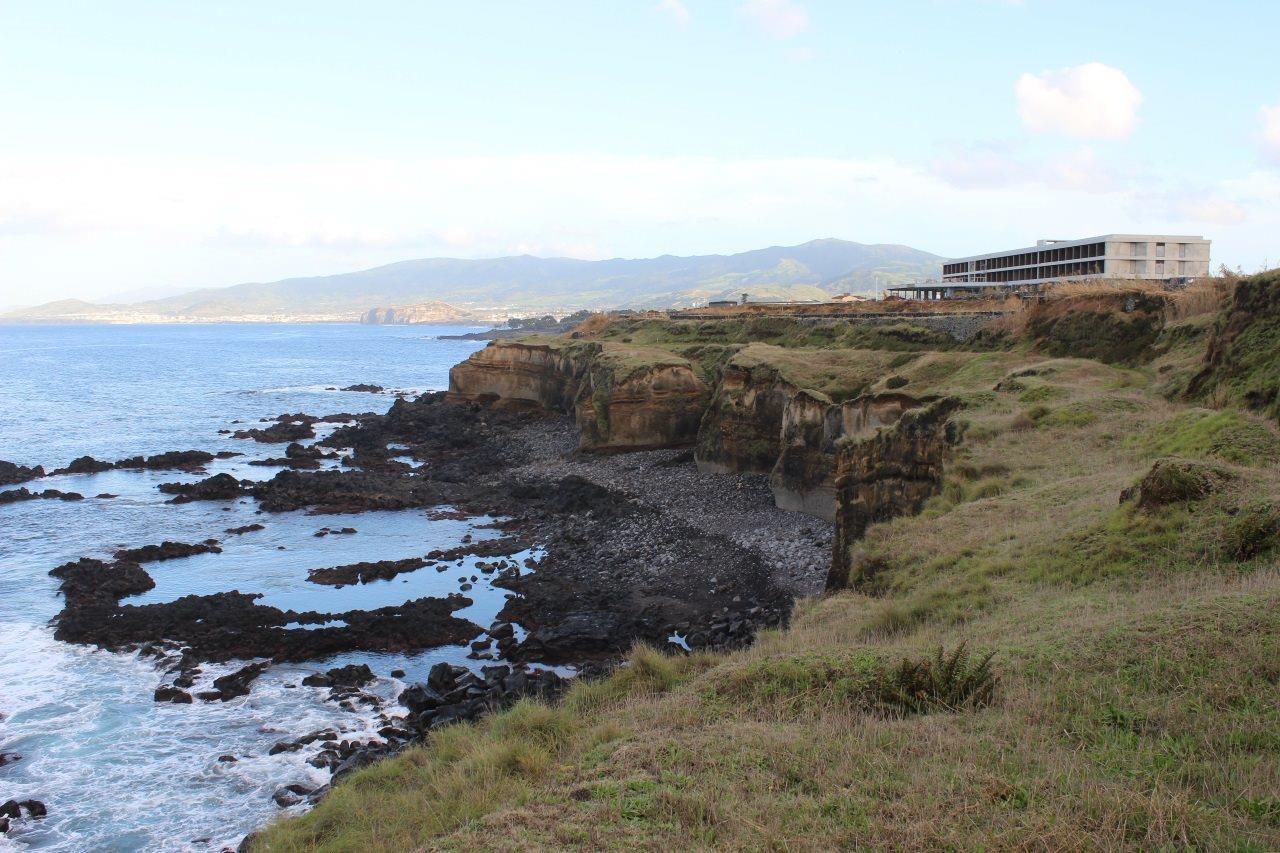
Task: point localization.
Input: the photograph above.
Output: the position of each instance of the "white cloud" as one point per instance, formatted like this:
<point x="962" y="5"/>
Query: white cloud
<point x="1082" y="170"/>
<point x="1090" y="101"/>
<point x="109" y="224"/>
<point x="1270" y="118"/>
<point x="677" y="10"/>
<point x="994" y="164"/>
<point x="982" y="166"/>
<point x="780" y="19"/>
<point x="1210" y="210"/>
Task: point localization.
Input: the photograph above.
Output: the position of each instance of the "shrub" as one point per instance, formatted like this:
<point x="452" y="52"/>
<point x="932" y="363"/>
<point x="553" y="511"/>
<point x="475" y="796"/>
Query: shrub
<point x="1040" y="394"/>
<point x="895" y="382"/>
<point x="945" y="682"/>
<point x="1035" y="414"/>
<point x="864" y="681"/>
<point x="1254" y="530"/>
<point x="1173" y="481"/>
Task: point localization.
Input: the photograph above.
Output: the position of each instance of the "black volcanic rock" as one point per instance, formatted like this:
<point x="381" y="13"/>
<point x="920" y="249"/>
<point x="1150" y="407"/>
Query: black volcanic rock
<point x="298" y="456"/>
<point x="220" y="487"/>
<point x="232" y="625"/>
<point x="235" y="684"/>
<point x="11" y="474"/>
<point x="352" y="675"/>
<point x="24" y="494"/>
<point x="248" y="528"/>
<point x="86" y="465"/>
<point x="175" y="460"/>
<point x="346" y="491"/>
<point x="176" y="695"/>
<point x="87" y="582"/>
<point x="166" y="551"/>
<point x="180" y="460"/>
<point x="364" y="572"/>
<point x="281" y="431"/>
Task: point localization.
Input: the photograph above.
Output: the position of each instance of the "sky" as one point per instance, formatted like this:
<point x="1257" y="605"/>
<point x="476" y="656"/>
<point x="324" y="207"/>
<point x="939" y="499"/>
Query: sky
<point x="153" y="147"/>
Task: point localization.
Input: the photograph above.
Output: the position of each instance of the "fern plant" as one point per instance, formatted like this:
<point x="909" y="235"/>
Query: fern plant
<point x="944" y="682"/>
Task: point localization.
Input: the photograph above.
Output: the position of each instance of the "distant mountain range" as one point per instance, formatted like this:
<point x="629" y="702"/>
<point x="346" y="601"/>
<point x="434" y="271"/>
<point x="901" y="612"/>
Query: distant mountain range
<point x="488" y="289"/>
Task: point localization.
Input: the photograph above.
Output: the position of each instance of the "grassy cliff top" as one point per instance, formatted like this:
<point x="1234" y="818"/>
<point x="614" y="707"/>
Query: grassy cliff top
<point x="784" y="331"/>
<point x="837" y="373"/>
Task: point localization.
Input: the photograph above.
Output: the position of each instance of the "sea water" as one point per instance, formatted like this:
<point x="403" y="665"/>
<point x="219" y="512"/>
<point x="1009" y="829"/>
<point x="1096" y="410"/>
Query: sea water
<point x="117" y="770"/>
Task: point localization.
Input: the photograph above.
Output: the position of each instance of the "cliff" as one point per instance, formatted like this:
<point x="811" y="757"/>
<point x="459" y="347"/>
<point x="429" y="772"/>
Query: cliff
<point x="742" y="429"/>
<point x="622" y="397"/>
<point x="803" y="478"/>
<point x="635" y="399"/>
<point x="529" y="373"/>
<point x="1242" y="363"/>
<point x="759" y="414"/>
<point x="887" y="475"/>
<point x="1114" y="327"/>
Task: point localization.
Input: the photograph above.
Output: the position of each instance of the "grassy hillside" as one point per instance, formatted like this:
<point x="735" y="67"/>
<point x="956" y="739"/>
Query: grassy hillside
<point x="809" y="271"/>
<point x="1076" y="645"/>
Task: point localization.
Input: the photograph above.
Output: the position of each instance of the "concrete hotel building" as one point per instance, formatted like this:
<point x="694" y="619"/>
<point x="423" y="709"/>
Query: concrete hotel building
<point x="1152" y="257"/>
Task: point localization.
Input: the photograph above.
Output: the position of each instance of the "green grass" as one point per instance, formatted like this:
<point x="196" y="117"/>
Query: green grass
<point x="786" y="332"/>
<point x="1202" y="434"/>
<point x="838" y="375"/>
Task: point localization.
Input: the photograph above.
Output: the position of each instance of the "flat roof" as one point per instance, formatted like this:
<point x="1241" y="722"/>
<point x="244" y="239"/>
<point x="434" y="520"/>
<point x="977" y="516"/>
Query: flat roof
<point x="1104" y="238"/>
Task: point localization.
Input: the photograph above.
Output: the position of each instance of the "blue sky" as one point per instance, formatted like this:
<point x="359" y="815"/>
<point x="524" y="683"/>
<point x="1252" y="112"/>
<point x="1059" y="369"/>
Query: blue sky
<point x="169" y="145"/>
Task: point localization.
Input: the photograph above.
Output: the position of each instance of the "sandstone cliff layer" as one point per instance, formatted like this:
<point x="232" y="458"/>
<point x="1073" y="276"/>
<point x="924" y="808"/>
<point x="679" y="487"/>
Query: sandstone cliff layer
<point x="892" y="473"/>
<point x="741" y="430"/>
<point x="803" y="478"/>
<point x="622" y="398"/>
<point x="523" y="374"/>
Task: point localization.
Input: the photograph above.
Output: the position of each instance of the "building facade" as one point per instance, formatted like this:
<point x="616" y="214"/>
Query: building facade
<point x="1113" y="256"/>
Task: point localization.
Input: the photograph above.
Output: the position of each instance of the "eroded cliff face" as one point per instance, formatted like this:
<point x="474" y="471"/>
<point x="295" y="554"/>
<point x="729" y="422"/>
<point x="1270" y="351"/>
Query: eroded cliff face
<point x="892" y="473"/>
<point x="517" y="374"/>
<point x="742" y="428"/>
<point x="1114" y="328"/>
<point x="858" y="462"/>
<point x="622" y="398"/>
<point x="1243" y="359"/>
<point x="803" y="478"/>
<point x="646" y="408"/>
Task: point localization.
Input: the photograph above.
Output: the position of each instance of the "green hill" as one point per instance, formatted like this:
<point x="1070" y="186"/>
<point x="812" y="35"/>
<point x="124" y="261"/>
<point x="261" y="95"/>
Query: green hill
<point x="527" y="283"/>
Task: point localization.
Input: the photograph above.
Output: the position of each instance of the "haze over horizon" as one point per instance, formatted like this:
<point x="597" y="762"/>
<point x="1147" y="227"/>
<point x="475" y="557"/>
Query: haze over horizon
<point x="169" y="148"/>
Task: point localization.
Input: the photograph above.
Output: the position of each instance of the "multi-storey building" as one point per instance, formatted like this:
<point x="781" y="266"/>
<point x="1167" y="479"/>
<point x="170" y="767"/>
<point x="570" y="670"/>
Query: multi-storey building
<point x="1118" y="256"/>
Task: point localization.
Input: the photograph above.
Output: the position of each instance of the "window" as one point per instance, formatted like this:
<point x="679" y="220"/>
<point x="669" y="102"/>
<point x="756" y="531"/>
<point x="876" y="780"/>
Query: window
<point x="1159" y="268"/>
<point x="1159" y="250"/>
<point x="1182" y="250"/>
<point x="1139" y="250"/>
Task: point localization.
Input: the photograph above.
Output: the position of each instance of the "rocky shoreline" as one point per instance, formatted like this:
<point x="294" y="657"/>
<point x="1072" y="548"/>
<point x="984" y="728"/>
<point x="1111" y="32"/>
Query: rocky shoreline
<point x="617" y="547"/>
<point x="630" y="548"/>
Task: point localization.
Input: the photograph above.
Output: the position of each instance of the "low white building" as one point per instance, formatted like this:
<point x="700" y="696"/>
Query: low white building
<point x="1157" y="257"/>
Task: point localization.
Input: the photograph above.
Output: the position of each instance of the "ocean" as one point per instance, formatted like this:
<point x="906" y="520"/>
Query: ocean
<point x="117" y="770"/>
